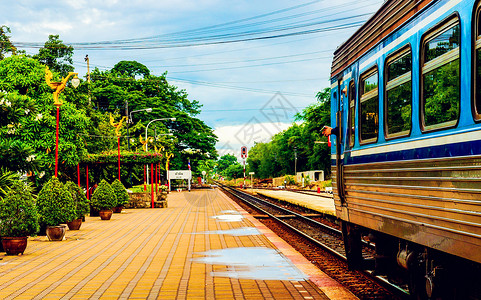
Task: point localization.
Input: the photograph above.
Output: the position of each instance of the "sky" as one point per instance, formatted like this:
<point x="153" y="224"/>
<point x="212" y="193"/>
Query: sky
<point x="251" y="64"/>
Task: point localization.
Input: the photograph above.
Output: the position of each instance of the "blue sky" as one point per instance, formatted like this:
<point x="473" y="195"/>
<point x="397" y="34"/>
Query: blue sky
<point x="251" y="64"/>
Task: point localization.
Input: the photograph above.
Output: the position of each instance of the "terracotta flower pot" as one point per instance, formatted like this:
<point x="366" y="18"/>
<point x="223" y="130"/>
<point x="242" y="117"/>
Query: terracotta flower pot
<point x="14" y="245"/>
<point x="75" y="224"/>
<point x="56" y="233"/>
<point x="105" y="214"/>
<point x="118" y="209"/>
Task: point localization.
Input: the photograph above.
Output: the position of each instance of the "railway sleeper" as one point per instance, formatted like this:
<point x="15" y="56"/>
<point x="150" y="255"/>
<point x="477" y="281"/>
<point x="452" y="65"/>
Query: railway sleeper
<point x="426" y="272"/>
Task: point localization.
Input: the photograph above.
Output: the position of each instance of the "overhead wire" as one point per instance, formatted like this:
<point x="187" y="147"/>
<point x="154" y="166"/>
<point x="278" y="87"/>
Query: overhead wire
<point x="217" y="38"/>
<point x="248" y="89"/>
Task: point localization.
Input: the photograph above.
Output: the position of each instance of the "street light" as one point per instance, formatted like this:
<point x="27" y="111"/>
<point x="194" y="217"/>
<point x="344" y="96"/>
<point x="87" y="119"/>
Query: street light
<point x="144" y="109"/>
<point x="129" y="120"/>
<point x="147" y="149"/>
<point x="59" y="86"/>
<point x="147" y="128"/>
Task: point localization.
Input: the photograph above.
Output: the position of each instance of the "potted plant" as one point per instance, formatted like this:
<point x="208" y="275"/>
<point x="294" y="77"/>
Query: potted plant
<point x="55" y="206"/>
<point x="104" y="200"/>
<point x="18" y="218"/>
<point x="121" y="194"/>
<point x="81" y="205"/>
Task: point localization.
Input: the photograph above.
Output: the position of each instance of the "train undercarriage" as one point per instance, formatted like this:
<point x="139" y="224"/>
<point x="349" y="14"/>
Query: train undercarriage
<point x="425" y="272"/>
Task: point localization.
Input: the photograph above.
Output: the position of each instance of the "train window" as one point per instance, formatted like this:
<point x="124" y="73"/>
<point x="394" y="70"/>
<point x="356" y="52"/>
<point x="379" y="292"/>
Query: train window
<point x="477" y="79"/>
<point x="441" y="79"/>
<point x="352" y="114"/>
<point x="398" y="94"/>
<point x="369" y="107"/>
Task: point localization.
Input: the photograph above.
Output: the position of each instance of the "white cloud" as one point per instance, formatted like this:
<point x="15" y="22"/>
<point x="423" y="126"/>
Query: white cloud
<point x="233" y="137"/>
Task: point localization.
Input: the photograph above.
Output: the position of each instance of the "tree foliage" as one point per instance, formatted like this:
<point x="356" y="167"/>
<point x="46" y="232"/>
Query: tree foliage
<point x="28" y="117"/>
<point x="56" y="55"/>
<point x="6" y="45"/>
<point x="131" y="69"/>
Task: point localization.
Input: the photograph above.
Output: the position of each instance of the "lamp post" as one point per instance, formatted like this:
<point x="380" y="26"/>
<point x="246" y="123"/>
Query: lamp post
<point x="59" y="87"/>
<point x="147" y="128"/>
<point x="147" y="149"/>
<point x="129" y="120"/>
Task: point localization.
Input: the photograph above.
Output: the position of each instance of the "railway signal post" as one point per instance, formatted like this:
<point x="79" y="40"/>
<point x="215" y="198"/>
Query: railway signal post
<point x="244" y="156"/>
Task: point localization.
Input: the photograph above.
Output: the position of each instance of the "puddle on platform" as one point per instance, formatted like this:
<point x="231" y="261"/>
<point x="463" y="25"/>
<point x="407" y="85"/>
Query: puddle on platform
<point x="228" y="218"/>
<point x="243" y="231"/>
<point x="230" y="212"/>
<point x="256" y="263"/>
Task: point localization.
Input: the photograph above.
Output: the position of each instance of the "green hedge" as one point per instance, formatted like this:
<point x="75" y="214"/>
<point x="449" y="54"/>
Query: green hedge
<point x="18" y="212"/>
<point x="55" y="203"/>
<point x="80" y="201"/>
<point x="104" y="197"/>
<point x="120" y="192"/>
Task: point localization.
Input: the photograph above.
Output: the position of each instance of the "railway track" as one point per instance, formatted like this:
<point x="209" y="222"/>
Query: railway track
<point x="320" y="242"/>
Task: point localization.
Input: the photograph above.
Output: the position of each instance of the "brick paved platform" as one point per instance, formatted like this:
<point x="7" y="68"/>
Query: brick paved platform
<point x="203" y="246"/>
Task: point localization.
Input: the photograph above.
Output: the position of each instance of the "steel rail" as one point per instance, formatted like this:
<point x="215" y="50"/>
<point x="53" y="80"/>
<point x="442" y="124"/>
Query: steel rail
<point x="249" y="199"/>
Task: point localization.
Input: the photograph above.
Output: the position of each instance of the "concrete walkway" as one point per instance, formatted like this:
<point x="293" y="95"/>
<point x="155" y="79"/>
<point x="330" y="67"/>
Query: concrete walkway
<point x="203" y="246"/>
<point x="314" y="202"/>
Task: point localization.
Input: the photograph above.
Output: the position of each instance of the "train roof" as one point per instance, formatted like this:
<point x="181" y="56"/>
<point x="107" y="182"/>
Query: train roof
<point x="391" y="15"/>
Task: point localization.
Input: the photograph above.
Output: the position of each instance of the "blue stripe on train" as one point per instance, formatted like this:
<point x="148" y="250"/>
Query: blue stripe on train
<point x="449" y="150"/>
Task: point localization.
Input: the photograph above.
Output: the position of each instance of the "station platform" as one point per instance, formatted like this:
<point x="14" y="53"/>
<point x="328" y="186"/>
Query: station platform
<point x="324" y="204"/>
<point x="203" y="246"/>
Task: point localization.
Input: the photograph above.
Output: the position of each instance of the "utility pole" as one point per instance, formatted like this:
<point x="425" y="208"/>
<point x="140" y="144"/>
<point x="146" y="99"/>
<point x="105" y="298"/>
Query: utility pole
<point x="88" y="67"/>
<point x="88" y="77"/>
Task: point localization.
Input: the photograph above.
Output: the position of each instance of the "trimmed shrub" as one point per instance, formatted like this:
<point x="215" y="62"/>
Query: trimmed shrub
<point x="120" y="192"/>
<point x="80" y="201"/>
<point x="18" y="212"/>
<point x="55" y="203"/>
<point x="104" y="197"/>
<point x="290" y="180"/>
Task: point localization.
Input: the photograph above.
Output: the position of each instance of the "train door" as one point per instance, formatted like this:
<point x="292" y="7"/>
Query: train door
<point x="339" y="144"/>
<point x="350" y="232"/>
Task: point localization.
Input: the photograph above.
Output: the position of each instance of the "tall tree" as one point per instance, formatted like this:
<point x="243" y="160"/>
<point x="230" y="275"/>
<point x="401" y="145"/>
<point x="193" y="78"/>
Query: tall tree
<point x="224" y="162"/>
<point x="117" y="89"/>
<point x="56" y="55"/>
<point x="6" y="45"/>
<point x="131" y="68"/>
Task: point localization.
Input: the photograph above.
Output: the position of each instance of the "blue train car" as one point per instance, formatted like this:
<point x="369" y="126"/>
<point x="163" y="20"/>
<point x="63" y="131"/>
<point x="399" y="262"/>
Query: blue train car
<point x="406" y="164"/>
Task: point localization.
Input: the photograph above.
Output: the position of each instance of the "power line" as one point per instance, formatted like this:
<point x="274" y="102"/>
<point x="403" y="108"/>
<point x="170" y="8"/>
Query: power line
<point x="247" y="89"/>
<point x="252" y="66"/>
<point x="248" y="109"/>
<point x="220" y="38"/>
<point x="252" y="60"/>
